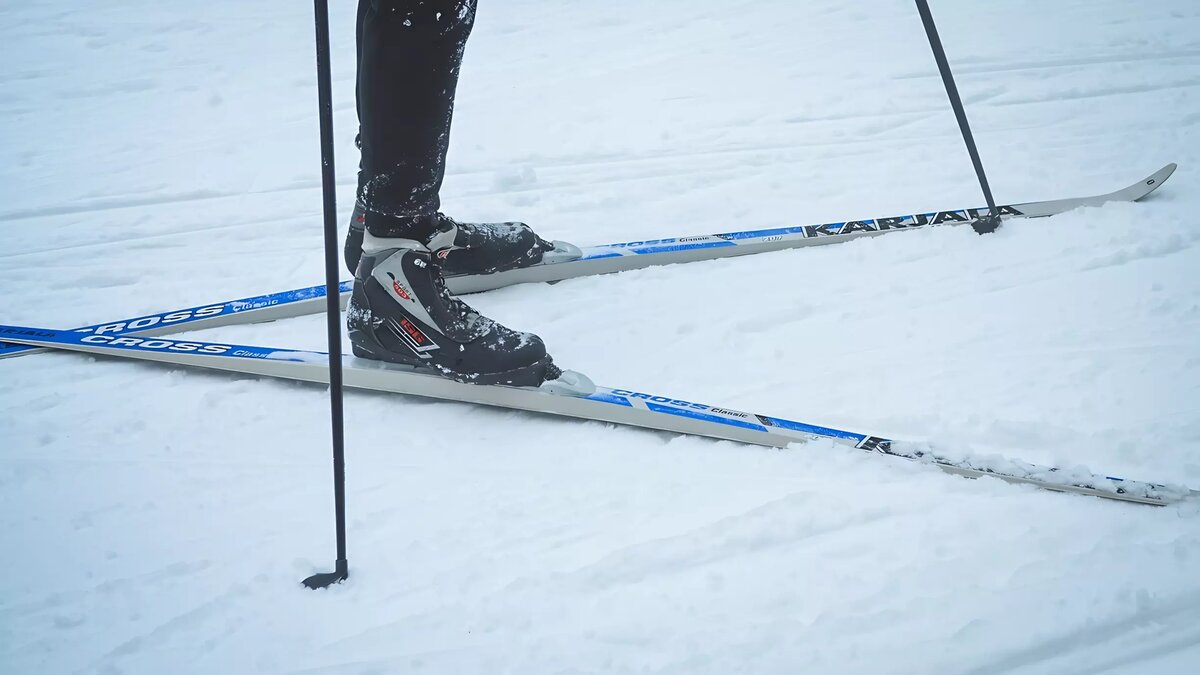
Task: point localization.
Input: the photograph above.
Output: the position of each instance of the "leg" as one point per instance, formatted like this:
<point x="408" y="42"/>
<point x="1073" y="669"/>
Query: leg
<point x="409" y="55"/>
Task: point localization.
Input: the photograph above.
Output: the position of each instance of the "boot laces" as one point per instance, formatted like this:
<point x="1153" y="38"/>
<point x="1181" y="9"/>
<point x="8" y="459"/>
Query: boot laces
<point x="465" y="315"/>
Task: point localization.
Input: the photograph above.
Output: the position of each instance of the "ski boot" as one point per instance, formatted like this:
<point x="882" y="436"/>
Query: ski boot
<point x="401" y="312"/>
<point x="478" y="248"/>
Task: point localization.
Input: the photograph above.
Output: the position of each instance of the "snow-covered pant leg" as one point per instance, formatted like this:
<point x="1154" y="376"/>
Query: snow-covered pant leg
<point x="409" y="54"/>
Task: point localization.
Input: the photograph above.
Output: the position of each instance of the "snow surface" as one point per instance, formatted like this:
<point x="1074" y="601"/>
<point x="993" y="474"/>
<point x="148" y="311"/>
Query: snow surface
<point x="156" y="155"/>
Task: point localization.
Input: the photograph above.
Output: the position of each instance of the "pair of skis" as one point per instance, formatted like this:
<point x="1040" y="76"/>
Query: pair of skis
<point x="136" y="338"/>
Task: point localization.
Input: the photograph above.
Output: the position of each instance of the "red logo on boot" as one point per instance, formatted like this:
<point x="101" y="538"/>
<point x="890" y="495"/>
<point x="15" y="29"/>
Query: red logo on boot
<point x="414" y="332"/>
<point x="400" y="290"/>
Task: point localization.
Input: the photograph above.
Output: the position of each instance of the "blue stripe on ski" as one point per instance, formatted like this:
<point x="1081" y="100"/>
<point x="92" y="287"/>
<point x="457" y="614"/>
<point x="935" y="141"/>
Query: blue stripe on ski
<point x="609" y="397"/>
<point x="650" y="248"/>
<point x="754" y="234"/>
<point x="182" y="317"/>
<point x="285" y="297"/>
<point x="812" y="429"/>
<point x="697" y="415"/>
<point x="599" y="256"/>
<point x="154" y="344"/>
<point x="681" y="247"/>
<point x="661" y="246"/>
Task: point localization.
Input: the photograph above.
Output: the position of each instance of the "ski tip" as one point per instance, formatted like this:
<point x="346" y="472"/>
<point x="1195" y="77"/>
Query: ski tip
<point x="1156" y="179"/>
<point x="570" y="383"/>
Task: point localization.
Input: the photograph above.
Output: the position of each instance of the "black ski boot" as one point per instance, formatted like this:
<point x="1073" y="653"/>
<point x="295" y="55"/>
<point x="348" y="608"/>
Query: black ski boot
<point x="401" y="312"/>
<point x="478" y="248"/>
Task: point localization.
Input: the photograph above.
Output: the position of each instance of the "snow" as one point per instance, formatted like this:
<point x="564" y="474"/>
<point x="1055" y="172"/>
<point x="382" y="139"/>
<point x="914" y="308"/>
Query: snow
<point x="156" y="155"/>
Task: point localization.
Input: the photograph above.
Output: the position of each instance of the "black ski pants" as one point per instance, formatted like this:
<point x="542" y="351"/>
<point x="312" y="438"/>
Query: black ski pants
<point x="409" y="55"/>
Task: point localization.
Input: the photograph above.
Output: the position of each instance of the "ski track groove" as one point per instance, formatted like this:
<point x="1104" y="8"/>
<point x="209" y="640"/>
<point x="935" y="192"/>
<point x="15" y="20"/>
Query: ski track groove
<point x="1102" y="92"/>
<point x="666" y="158"/>
<point x="979" y="68"/>
<point x="60" y="599"/>
<point x="642" y="562"/>
<point x="162" y="236"/>
<point x="163" y="631"/>
<point x="1182" y="612"/>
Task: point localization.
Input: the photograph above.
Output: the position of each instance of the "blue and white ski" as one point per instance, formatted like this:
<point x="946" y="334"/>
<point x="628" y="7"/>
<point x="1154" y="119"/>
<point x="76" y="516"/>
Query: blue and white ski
<point x="604" y="259"/>
<point x="575" y="396"/>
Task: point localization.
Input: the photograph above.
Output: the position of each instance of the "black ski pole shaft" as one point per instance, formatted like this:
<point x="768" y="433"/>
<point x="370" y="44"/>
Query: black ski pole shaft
<point x="982" y="225"/>
<point x="333" y="309"/>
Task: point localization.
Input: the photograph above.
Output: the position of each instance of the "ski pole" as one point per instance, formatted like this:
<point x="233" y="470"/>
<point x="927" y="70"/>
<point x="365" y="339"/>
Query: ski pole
<point x="333" y="311"/>
<point x="982" y="224"/>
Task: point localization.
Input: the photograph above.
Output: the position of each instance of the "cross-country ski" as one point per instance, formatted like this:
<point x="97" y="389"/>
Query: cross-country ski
<point x="604" y="259"/>
<point x="574" y="395"/>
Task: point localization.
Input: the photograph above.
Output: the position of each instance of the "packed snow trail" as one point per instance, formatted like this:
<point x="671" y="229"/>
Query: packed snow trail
<point x="159" y="155"/>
